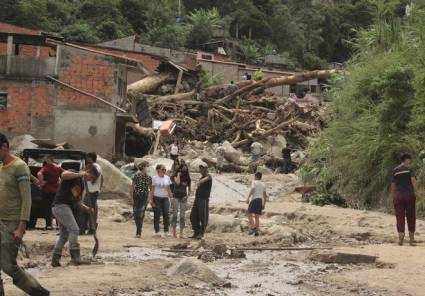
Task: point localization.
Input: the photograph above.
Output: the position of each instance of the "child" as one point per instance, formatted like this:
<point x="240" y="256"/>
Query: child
<point x="258" y="197"/>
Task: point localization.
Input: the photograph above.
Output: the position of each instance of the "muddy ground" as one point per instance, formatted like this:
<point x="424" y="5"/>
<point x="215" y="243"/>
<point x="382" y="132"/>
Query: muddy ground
<point x="126" y="266"/>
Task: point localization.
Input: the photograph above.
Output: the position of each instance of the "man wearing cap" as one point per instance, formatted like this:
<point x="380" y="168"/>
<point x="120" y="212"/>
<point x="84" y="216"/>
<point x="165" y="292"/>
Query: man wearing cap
<point x="200" y="212"/>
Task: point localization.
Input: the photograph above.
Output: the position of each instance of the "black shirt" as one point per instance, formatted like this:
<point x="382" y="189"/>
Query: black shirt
<point x="286" y="153"/>
<point x="402" y="179"/>
<point x="69" y="192"/>
<point x="204" y="190"/>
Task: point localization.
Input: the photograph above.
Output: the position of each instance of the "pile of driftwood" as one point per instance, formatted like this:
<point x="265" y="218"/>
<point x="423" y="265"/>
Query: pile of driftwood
<point x="247" y="114"/>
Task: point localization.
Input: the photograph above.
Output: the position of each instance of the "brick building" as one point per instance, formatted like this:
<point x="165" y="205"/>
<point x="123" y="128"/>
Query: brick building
<point x="64" y="92"/>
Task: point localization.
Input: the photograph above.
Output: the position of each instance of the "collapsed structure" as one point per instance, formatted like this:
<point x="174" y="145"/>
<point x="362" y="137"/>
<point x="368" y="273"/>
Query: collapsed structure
<point x="103" y="97"/>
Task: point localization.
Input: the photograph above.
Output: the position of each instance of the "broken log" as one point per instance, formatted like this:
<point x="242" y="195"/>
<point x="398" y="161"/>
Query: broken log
<point x="282" y="249"/>
<point x="264" y="135"/>
<point x="212" y="91"/>
<point x="277" y="81"/>
<point x="174" y="98"/>
<point x="148" y="84"/>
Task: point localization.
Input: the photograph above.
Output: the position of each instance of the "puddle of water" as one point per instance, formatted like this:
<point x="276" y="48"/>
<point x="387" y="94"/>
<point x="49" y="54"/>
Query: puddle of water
<point x="261" y="274"/>
<point x="136" y="254"/>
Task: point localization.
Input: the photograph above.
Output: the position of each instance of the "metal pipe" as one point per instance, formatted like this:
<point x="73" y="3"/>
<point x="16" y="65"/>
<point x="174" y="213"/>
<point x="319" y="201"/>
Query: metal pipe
<point x="86" y="93"/>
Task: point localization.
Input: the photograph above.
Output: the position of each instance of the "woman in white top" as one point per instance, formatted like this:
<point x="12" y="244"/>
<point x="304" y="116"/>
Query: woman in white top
<point x="174" y="150"/>
<point x="160" y="199"/>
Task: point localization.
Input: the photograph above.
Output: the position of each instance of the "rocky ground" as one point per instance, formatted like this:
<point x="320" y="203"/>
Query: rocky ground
<point x="362" y="258"/>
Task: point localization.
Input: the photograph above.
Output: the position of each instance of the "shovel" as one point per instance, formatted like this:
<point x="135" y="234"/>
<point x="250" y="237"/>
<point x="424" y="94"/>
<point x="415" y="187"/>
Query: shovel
<point x="96" y="240"/>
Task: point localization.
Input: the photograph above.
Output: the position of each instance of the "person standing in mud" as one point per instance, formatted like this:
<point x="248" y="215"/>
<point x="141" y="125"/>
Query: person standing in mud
<point x="405" y="194"/>
<point x="15" y="209"/>
<point x="48" y="178"/>
<point x="142" y="185"/>
<point x="91" y="194"/>
<point x="287" y="160"/>
<point x="181" y="192"/>
<point x="160" y="199"/>
<point x="174" y="150"/>
<point x="200" y="210"/>
<point x="257" y="199"/>
<point x="67" y="198"/>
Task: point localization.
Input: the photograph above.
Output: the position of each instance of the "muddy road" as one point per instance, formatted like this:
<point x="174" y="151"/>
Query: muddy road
<point x="127" y="266"/>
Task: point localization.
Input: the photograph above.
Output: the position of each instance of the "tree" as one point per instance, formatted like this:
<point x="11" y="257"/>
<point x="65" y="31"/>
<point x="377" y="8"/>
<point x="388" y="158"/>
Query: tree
<point x="203" y="23"/>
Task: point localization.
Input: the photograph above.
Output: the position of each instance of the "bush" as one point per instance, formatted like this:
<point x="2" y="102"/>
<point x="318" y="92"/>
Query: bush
<point x="327" y="198"/>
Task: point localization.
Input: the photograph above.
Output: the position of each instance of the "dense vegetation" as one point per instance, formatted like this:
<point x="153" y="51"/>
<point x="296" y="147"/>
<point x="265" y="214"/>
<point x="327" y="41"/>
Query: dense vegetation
<point x="308" y="33"/>
<point x="378" y="113"/>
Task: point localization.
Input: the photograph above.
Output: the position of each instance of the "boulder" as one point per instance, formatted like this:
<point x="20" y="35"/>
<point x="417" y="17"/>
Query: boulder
<point x="194" y="165"/>
<point x="222" y="223"/>
<point x="230" y="153"/>
<point x="19" y="143"/>
<point x="264" y="170"/>
<point x="114" y="182"/>
<point x="194" y="268"/>
<point x="154" y="161"/>
<point x="273" y="145"/>
<point x="342" y="258"/>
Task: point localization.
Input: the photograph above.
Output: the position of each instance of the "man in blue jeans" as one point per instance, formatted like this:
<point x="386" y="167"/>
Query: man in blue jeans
<point x="67" y="198"/>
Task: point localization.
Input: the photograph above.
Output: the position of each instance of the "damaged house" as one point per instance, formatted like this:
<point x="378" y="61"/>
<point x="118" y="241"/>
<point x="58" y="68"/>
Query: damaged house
<point x="66" y="92"/>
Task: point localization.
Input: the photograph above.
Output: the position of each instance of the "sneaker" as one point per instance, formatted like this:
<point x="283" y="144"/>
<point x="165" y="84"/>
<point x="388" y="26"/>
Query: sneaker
<point x="167" y="234"/>
<point x="138" y="235"/>
<point x="251" y="231"/>
<point x="256" y="233"/>
<point x="157" y="234"/>
<point x="199" y="236"/>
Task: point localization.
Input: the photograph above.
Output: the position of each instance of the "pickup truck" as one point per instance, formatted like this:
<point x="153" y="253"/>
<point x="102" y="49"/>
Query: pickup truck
<point x="67" y="159"/>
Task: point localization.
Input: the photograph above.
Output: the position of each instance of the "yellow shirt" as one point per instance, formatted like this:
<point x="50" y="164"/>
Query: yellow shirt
<point x="15" y="191"/>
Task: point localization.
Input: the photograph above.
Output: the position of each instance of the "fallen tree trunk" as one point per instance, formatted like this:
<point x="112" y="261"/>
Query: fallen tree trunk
<point x="212" y="91"/>
<point x="277" y="81"/>
<point x="173" y="98"/>
<point x="148" y="84"/>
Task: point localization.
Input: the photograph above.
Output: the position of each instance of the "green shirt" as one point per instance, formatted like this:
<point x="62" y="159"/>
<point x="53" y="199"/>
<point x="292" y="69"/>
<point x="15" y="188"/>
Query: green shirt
<point x="15" y="191"/>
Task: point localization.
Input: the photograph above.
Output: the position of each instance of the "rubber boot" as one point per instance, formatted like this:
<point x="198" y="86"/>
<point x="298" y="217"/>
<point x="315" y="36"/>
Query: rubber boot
<point x="40" y="291"/>
<point x="56" y="259"/>
<point x="76" y="258"/>
<point x="400" y="238"/>
<point x="412" y="239"/>
<point x="1" y="288"/>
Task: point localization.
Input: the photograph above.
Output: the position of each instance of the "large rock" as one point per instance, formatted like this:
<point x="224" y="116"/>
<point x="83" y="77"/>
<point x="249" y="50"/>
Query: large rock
<point x="196" y="269"/>
<point x="264" y="170"/>
<point x="342" y="258"/>
<point x="114" y="182"/>
<point x="273" y="145"/>
<point x="19" y="143"/>
<point x="230" y="153"/>
<point x="222" y="223"/>
<point x="194" y="165"/>
<point x="154" y="161"/>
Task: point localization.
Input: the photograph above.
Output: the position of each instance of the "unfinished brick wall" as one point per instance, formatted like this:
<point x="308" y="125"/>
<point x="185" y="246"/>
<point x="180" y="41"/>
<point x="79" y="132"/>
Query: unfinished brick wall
<point x="150" y="62"/>
<point x="89" y="72"/>
<point x="25" y="100"/>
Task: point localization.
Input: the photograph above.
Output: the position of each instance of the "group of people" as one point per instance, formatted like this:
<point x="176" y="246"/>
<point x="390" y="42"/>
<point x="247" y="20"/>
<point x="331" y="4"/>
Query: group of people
<point x="64" y="191"/>
<point x="163" y="191"/>
<point x="80" y="189"/>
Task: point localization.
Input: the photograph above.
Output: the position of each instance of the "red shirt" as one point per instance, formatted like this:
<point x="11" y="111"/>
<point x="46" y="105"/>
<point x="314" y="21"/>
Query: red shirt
<point x="51" y="174"/>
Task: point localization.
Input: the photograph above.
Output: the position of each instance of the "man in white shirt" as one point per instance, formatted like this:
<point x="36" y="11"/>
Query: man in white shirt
<point x="91" y="193"/>
<point x="257" y="199"/>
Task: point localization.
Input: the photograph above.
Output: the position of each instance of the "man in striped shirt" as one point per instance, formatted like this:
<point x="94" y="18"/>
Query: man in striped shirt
<point x="405" y="193"/>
